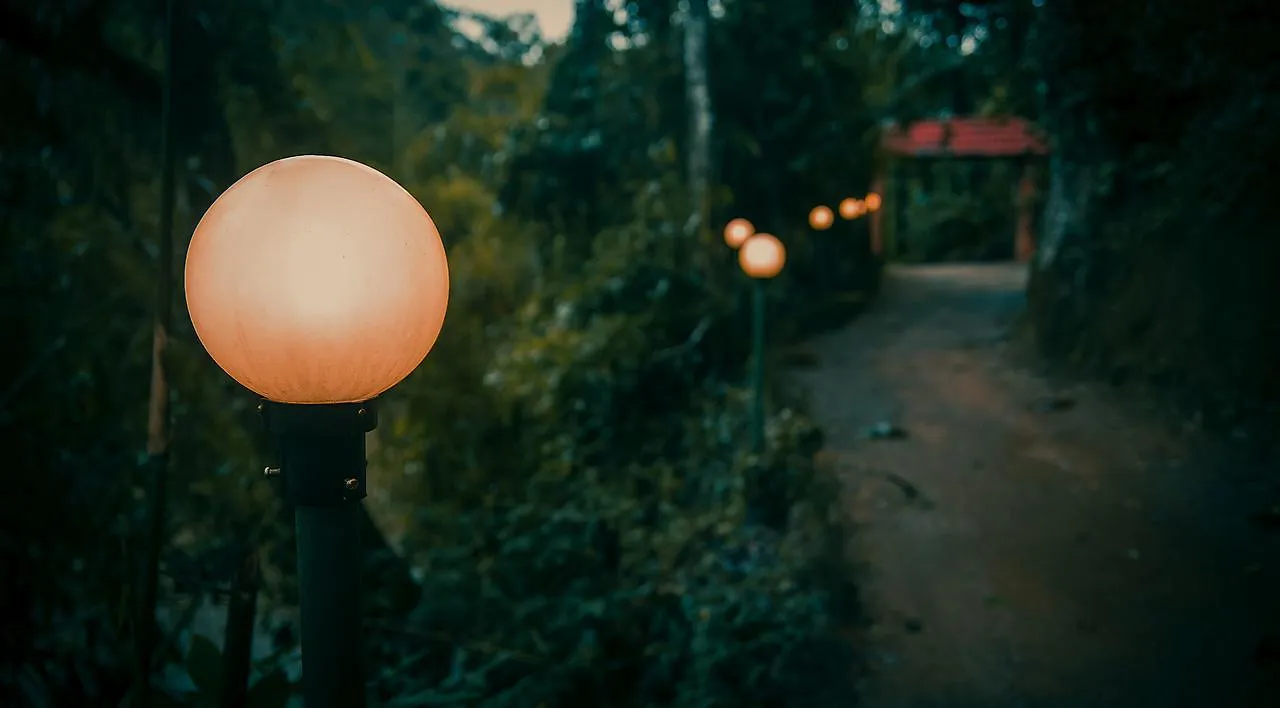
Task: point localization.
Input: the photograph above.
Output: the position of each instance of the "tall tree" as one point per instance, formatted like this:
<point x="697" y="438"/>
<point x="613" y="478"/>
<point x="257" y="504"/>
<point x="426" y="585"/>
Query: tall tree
<point x="158" y="413"/>
<point x="698" y="149"/>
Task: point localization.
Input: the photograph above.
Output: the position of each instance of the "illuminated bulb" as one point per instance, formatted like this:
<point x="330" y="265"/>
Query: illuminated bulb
<point x="762" y="256"/>
<point x="821" y="218"/>
<point x="737" y="231"/>
<point x="873" y="201"/>
<point x="316" y="279"/>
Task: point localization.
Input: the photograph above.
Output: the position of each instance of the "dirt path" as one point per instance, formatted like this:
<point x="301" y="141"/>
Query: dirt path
<point x="1070" y="554"/>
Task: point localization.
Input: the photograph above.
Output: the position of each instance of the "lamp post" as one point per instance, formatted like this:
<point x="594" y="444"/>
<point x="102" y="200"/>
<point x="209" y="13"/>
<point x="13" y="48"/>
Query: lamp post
<point x="318" y="283"/>
<point x="761" y="257"/>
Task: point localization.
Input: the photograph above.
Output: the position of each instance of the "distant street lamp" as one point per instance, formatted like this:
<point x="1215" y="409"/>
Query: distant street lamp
<point x="737" y="231"/>
<point x="821" y="218"/>
<point x="873" y="201"/>
<point x="761" y="257"/>
<point x="851" y="208"/>
<point x="318" y="283"/>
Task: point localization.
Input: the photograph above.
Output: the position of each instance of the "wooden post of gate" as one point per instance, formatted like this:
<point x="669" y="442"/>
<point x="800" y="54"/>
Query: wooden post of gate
<point x="877" y="236"/>
<point x="1024" y="239"/>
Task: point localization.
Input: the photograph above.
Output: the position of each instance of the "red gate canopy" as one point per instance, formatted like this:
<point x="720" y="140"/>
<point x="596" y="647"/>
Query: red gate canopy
<point x="965" y="137"/>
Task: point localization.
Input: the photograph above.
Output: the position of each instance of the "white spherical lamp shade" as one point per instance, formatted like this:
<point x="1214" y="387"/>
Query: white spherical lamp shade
<point x="317" y="279"/>
<point x="762" y="256"/>
<point x="737" y="231"/>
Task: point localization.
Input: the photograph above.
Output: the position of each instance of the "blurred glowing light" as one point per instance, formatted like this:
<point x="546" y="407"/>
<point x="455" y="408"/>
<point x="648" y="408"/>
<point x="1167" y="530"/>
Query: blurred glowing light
<point x="737" y="231"/>
<point x="821" y="218"/>
<point x="851" y="208"/>
<point x="762" y="256"/>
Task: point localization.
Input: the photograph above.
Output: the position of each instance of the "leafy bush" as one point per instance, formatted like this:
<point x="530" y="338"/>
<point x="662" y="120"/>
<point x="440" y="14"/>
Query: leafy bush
<point x="623" y="548"/>
<point x="567" y="471"/>
<point x="1158" y="265"/>
<point x="962" y="212"/>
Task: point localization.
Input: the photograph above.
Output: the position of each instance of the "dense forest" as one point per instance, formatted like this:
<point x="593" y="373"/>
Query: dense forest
<point x="563" y="509"/>
<point x="1157" y="264"/>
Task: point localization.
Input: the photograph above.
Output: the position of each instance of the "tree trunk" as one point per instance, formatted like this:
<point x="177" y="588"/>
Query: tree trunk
<point x="158" y="413"/>
<point x="1066" y="210"/>
<point x="698" y="97"/>
<point x="1057" y="307"/>
<point x="237" y="645"/>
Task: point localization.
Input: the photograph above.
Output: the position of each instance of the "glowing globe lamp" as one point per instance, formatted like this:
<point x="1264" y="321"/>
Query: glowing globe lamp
<point x="873" y="201"/>
<point x="821" y="218"/>
<point x="318" y="283"/>
<point x="737" y="231"/>
<point x="317" y="280"/>
<point x="762" y="256"/>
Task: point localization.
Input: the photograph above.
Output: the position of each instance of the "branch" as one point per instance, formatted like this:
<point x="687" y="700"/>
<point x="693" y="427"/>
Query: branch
<point x="695" y="338"/>
<point x="917" y="82"/>
<point x="443" y="638"/>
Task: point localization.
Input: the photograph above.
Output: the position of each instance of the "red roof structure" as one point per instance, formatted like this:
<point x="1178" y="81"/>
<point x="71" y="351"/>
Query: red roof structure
<point x="965" y="137"/>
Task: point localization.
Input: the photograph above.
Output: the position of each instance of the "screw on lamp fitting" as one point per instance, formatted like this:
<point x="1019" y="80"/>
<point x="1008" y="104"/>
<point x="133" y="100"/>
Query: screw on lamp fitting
<point x="321" y="447"/>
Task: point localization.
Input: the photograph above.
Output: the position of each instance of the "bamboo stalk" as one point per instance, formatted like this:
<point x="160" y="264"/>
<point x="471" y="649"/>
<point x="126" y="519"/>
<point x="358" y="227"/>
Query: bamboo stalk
<point x="237" y="651"/>
<point x="158" y="413"/>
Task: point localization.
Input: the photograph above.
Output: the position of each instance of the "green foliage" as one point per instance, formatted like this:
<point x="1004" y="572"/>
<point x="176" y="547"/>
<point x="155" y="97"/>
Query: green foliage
<point x="1163" y="269"/>
<point x="961" y="211"/>
<point x="792" y="129"/>
<point x="566" y="475"/>
<point x="619" y="548"/>
<point x="204" y="666"/>
<point x="1157" y="255"/>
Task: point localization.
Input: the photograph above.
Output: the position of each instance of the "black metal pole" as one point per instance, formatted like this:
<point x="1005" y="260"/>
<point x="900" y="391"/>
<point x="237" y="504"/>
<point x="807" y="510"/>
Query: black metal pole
<point x="329" y="590"/>
<point x="322" y="461"/>
<point x="757" y="364"/>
